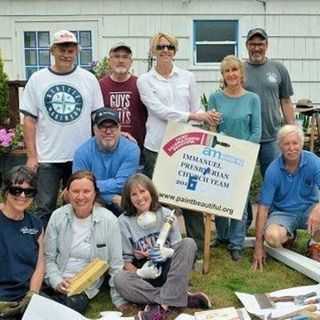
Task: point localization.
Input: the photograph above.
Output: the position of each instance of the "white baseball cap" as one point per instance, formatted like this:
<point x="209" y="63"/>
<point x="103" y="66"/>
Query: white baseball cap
<point x="120" y="45"/>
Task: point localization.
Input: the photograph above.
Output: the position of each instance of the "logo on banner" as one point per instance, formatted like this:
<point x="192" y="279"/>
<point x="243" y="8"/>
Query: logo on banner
<point x="199" y="138"/>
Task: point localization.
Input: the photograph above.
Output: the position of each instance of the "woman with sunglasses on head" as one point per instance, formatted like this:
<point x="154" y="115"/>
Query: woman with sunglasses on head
<point x="21" y="244"/>
<point x="238" y="114"/>
<point x="169" y="93"/>
<point x="76" y="234"/>
<point x="154" y="275"/>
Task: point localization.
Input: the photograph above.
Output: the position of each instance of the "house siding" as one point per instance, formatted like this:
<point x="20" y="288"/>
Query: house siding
<point x="293" y="27"/>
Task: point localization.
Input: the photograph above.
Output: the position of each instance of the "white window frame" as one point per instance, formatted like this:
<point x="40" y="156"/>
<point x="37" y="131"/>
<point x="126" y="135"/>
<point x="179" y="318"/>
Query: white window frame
<point x="28" y="24"/>
<point x="196" y="43"/>
<point x="77" y="34"/>
<point x="37" y="48"/>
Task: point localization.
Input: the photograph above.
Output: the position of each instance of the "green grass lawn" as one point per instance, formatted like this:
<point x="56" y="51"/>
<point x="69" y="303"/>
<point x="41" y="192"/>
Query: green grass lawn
<point x="226" y="276"/>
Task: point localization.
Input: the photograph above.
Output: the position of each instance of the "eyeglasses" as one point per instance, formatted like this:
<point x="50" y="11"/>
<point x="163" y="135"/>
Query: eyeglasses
<point x="256" y="44"/>
<point x="120" y="56"/>
<point x="163" y="46"/>
<point x="106" y="127"/>
<point x="17" y="191"/>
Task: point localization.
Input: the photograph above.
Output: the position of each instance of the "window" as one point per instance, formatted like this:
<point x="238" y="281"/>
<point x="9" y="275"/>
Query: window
<point x="36" y="51"/>
<point x="84" y="58"/>
<point x="214" y="39"/>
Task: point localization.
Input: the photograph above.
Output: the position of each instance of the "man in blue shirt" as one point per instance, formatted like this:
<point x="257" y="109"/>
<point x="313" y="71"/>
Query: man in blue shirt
<point x="111" y="157"/>
<point x="289" y="196"/>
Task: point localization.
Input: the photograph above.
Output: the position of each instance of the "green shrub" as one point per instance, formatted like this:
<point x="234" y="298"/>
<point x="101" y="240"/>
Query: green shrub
<point x="100" y="68"/>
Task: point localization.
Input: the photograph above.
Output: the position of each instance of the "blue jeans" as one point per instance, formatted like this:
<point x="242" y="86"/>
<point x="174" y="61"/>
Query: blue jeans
<point x="114" y="208"/>
<point x="150" y="158"/>
<point x="78" y="302"/>
<point x="195" y="228"/>
<point x="232" y="231"/>
<point x="50" y="176"/>
<point x="267" y="153"/>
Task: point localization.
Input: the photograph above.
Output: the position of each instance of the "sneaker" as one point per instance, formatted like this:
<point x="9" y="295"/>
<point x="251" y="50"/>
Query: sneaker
<point x="314" y="251"/>
<point x="198" y="300"/>
<point x="152" y="312"/>
<point x="235" y="255"/>
<point x="289" y="243"/>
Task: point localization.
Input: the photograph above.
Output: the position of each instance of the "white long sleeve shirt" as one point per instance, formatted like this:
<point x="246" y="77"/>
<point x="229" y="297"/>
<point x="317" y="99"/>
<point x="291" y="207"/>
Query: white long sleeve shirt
<point x="166" y="99"/>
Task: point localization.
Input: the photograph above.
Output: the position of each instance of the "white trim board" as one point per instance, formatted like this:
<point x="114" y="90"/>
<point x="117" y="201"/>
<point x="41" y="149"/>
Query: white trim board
<point x="296" y="261"/>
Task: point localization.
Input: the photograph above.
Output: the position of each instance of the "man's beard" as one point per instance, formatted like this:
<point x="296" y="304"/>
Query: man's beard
<point x="121" y="70"/>
<point x="106" y="146"/>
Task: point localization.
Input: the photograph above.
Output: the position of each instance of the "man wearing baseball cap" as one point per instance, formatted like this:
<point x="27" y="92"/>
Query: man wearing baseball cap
<point x="271" y="81"/>
<point x="111" y="157"/>
<point x="120" y="92"/>
<point x="57" y="105"/>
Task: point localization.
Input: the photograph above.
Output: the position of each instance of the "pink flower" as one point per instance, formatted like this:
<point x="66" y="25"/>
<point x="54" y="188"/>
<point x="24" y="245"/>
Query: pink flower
<point x="10" y="139"/>
<point x="6" y="137"/>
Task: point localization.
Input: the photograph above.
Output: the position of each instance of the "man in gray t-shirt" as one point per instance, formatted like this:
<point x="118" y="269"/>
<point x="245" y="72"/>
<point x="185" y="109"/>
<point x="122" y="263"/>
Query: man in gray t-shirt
<point x="270" y="80"/>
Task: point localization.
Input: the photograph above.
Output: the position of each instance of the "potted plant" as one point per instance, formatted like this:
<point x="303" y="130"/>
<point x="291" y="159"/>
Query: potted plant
<point x="12" y="152"/>
<point x="100" y="68"/>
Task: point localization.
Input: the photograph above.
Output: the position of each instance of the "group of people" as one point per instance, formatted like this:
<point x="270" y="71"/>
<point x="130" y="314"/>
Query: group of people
<point x="112" y="211"/>
<point x="83" y="230"/>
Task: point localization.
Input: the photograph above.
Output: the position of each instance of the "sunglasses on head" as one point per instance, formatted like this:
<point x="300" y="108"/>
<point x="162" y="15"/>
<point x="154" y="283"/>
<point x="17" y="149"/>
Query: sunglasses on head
<point x="163" y="46"/>
<point x="17" y="191"/>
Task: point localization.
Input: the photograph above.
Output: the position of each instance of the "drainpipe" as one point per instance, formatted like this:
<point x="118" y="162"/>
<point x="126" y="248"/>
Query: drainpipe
<point x="264" y="4"/>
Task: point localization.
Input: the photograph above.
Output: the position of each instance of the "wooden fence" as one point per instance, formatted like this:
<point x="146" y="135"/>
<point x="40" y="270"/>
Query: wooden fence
<point x="14" y="114"/>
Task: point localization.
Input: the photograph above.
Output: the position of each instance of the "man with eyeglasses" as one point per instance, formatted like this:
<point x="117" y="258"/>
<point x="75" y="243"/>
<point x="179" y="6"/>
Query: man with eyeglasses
<point x="57" y="104"/>
<point x="111" y="157"/>
<point x="120" y="92"/>
<point x="270" y="80"/>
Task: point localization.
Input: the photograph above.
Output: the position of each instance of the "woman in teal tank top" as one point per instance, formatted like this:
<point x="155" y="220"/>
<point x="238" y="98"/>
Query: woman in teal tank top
<point x="238" y="114"/>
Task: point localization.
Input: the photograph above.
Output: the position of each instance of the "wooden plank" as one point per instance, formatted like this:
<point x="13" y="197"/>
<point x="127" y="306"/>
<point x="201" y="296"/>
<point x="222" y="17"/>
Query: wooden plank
<point x="294" y="260"/>
<point x="313" y="128"/>
<point x="85" y="278"/>
<point x="249" y="242"/>
<point x="14" y="114"/>
<point x="207" y="238"/>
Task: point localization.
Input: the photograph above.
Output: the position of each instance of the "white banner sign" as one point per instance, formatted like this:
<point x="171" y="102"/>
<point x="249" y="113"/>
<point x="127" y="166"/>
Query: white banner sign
<point x="41" y="308"/>
<point x="204" y="171"/>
